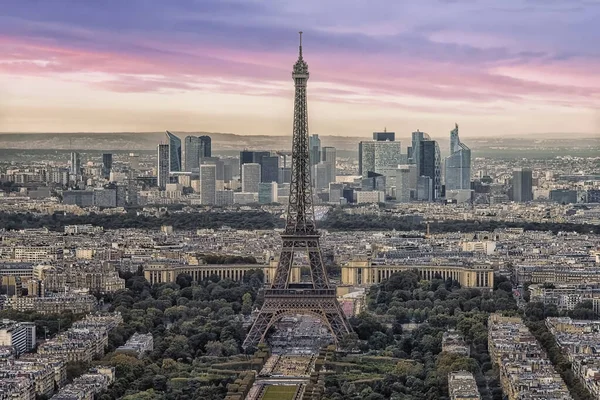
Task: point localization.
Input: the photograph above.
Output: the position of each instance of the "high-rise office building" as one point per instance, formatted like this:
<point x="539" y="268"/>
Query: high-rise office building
<point x="269" y="169"/>
<point x="106" y="165"/>
<point x="414" y="153"/>
<point x="335" y="192"/>
<point x="208" y="183"/>
<point x="134" y="162"/>
<point x="162" y="169"/>
<point x="314" y="149"/>
<point x="196" y="149"/>
<point x="458" y="164"/>
<point x="255" y="157"/>
<point x="522" y="185"/>
<point x="403" y="183"/>
<point x="373" y="181"/>
<point x="425" y="188"/>
<point x="329" y="156"/>
<point x="267" y="192"/>
<point x="384" y="136"/>
<point x="321" y="175"/>
<point x="224" y="197"/>
<point x="220" y="165"/>
<point x="377" y="156"/>
<point x="430" y="166"/>
<point x="250" y="177"/>
<point x="285" y="175"/>
<point x="75" y="168"/>
<point x="174" y="152"/>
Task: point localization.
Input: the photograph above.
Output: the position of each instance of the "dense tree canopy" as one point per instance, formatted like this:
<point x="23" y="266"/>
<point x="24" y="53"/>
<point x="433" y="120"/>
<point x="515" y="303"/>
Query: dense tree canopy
<point x="194" y="325"/>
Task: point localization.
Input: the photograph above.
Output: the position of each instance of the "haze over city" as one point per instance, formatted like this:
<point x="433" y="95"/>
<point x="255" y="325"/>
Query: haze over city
<point x="512" y="68"/>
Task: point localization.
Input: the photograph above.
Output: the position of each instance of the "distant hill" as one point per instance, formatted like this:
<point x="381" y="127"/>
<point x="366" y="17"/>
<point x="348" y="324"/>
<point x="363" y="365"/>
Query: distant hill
<point x="147" y="141"/>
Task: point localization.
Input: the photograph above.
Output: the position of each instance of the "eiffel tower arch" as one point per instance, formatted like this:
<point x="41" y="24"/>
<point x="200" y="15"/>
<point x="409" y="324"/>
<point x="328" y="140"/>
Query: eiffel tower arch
<point x="317" y="297"/>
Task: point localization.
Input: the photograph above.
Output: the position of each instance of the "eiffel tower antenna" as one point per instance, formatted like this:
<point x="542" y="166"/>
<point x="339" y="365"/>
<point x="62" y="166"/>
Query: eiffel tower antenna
<point x="285" y="296"/>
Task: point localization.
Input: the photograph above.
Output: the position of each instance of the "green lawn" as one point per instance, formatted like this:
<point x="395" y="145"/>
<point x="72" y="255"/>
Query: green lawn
<point x="280" y="392"/>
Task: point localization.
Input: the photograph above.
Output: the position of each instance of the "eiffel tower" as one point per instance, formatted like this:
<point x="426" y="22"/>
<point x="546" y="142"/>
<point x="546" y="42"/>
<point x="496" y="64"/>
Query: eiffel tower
<point x="318" y="297"/>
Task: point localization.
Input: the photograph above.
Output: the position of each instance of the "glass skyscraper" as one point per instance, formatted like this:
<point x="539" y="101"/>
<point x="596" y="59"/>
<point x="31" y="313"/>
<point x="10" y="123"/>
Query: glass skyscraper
<point x="197" y="148"/>
<point x="106" y="165"/>
<point x="314" y="149"/>
<point x="174" y="152"/>
<point x="458" y="164"/>
<point x="522" y="185"/>
<point x="163" y="166"/>
<point x="430" y="166"/>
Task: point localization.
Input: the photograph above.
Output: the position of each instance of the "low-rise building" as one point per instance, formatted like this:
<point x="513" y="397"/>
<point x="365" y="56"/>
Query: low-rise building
<point x="454" y="342"/>
<point x="462" y="386"/>
<point x="525" y="371"/>
<point x="19" y="335"/>
<point x="138" y="343"/>
<point x="76" y="303"/>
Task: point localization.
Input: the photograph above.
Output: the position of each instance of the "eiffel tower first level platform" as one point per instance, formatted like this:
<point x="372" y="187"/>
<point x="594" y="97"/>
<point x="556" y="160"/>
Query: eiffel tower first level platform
<point x="319" y="303"/>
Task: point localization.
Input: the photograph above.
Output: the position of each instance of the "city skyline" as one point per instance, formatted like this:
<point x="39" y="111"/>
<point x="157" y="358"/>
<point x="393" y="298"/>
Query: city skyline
<point x="525" y="67"/>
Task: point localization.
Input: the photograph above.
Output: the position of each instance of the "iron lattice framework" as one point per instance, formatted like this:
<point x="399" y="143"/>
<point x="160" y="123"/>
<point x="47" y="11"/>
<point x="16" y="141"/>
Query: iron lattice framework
<point x="317" y="297"/>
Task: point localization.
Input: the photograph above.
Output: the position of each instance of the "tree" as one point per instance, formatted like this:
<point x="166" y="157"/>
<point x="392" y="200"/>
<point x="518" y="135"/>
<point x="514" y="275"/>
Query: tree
<point x="246" y="303"/>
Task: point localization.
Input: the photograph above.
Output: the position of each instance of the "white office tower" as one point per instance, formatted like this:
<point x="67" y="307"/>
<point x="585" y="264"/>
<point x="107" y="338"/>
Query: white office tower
<point x="162" y="171"/>
<point x="208" y="183"/>
<point x="404" y="183"/>
<point x="383" y="152"/>
<point x="267" y="192"/>
<point x="250" y="177"/>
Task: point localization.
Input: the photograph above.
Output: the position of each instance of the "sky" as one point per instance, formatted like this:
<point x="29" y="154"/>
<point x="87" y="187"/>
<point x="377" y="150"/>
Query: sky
<point x="497" y="68"/>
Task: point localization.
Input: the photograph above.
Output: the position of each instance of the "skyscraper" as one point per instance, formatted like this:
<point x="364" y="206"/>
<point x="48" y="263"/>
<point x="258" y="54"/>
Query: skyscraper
<point x="208" y="183"/>
<point x="106" y="165"/>
<point x="163" y="166"/>
<point x="269" y="169"/>
<point x="75" y="168"/>
<point x="174" y="152"/>
<point x="250" y="177"/>
<point x="458" y="164"/>
<point x="329" y="156"/>
<point x="384" y="136"/>
<point x="314" y="149"/>
<point x="414" y="154"/>
<point x="220" y="165"/>
<point x="522" y="185"/>
<point x="430" y="166"/>
<point x="321" y="175"/>
<point x="196" y="149"/>
<point x="247" y="156"/>
<point x="378" y="155"/>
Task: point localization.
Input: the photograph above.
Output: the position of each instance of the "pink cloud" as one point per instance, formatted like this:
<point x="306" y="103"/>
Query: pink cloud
<point x="189" y="68"/>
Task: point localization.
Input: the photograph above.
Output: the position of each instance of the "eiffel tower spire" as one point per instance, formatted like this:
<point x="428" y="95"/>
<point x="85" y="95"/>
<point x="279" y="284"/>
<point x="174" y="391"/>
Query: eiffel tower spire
<point x="286" y="297"/>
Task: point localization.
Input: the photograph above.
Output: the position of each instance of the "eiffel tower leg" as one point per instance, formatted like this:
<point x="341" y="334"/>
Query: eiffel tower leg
<point x="259" y="329"/>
